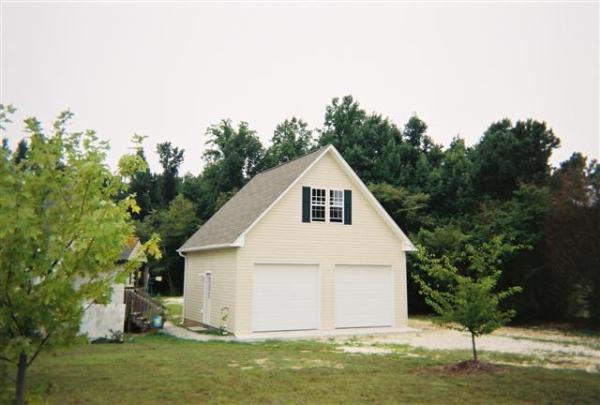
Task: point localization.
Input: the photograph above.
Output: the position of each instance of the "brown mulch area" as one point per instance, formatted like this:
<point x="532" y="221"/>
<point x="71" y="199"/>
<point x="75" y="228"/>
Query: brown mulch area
<point x="470" y="367"/>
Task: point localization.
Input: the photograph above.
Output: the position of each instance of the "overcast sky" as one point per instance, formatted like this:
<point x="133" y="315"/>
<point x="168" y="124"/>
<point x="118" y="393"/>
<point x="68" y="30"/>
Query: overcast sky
<point x="169" y="71"/>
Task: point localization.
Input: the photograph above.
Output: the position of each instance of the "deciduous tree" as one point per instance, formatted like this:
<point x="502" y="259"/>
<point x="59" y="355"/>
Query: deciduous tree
<point x="464" y="292"/>
<point x="509" y="155"/>
<point x="170" y="158"/>
<point x="235" y="154"/>
<point x="291" y="139"/>
<point x="174" y="225"/>
<point x="61" y="233"/>
<point x="406" y="208"/>
<point x="144" y="185"/>
<point x="572" y="236"/>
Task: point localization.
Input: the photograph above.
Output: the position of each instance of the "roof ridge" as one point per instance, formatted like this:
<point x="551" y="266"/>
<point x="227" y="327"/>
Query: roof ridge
<point x="322" y="148"/>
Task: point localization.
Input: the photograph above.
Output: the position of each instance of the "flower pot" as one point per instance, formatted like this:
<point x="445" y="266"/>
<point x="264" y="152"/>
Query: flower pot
<point x="157" y="322"/>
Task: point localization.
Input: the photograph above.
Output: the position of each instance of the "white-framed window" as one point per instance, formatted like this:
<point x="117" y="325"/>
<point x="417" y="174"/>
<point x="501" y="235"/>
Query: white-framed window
<point x="317" y="204"/>
<point x="336" y="205"/>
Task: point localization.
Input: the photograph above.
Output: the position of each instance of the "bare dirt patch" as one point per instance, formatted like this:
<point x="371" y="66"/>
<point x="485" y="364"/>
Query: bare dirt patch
<point x="470" y="367"/>
<point x="365" y="349"/>
<point x="544" y="348"/>
<point x="291" y="363"/>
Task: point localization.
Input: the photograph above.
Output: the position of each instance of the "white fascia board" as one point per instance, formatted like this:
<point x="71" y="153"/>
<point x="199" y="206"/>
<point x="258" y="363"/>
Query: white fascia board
<point x="209" y="247"/>
<point x="407" y="244"/>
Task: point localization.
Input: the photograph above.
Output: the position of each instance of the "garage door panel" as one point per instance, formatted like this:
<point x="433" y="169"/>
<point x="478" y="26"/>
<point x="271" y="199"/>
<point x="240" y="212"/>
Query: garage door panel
<point x="285" y="297"/>
<point x="363" y="296"/>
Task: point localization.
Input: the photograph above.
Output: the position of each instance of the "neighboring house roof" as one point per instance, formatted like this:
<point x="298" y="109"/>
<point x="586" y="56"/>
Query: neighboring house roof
<point x="129" y="249"/>
<point x="227" y="227"/>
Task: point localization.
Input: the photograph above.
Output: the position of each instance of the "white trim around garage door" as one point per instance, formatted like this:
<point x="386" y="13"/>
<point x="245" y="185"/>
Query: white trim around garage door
<point x="364" y="296"/>
<point x="286" y="296"/>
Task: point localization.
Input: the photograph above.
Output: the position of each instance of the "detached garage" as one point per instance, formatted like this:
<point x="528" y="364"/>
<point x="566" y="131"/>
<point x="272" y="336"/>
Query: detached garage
<point x="303" y="246"/>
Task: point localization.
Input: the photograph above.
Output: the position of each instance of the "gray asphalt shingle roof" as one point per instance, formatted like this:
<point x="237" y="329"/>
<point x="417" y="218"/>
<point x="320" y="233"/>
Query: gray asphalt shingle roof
<point x="129" y="248"/>
<point x="228" y="223"/>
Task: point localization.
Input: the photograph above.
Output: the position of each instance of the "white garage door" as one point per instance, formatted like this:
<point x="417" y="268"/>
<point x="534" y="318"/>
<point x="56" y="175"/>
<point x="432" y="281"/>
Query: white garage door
<point x="285" y="297"/>
<point x="363" y="296"/>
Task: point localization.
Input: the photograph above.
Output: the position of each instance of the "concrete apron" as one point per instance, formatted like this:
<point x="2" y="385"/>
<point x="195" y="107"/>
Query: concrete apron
<point x="183" y="333"/>
<point x="320" y="334"/>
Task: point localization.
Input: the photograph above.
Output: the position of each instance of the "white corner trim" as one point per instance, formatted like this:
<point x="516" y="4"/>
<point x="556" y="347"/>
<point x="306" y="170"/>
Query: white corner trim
<point x="239" y="242"/>
<point x="184" y="283"/>
<point x="409" y="246"/>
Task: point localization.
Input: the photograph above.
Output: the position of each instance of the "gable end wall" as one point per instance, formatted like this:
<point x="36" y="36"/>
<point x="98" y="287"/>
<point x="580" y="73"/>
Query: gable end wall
<point x="282" y="237"/>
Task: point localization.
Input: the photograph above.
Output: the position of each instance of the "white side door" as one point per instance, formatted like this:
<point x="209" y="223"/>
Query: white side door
<point x="207" y="298"/>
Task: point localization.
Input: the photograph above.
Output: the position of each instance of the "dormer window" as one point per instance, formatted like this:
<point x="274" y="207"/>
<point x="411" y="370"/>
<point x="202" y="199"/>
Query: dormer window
<point x="317" y="207"/>
<point x="336" y="206"/>
<point x="326" y="205"/>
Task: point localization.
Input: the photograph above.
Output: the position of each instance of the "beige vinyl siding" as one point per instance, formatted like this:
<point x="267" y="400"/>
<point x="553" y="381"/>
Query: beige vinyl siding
<point x="282" y="237"/>
<point x="221" y="263"/>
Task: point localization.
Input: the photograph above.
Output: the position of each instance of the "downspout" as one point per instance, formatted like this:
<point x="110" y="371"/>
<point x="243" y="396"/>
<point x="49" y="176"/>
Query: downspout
<point x="184" y="271"/>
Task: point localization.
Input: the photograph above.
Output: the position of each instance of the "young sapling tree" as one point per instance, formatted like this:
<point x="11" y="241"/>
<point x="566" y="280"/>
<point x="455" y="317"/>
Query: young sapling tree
<point x="467" y="298"/>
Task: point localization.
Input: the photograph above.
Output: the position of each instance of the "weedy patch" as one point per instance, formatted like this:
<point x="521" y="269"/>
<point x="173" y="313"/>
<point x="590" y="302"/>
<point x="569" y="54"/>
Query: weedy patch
<point x="264" y="363"/>
<point x="300" y="364"/>
<point x="357" y="347"/>
<point x="365" y="350"/>
<point x="287" y="364"/>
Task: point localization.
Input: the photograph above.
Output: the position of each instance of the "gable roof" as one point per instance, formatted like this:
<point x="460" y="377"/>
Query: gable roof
<point x="228" y="226"/>
<point x="229" y="222"/>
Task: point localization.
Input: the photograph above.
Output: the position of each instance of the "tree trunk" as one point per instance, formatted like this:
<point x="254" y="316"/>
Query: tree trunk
<point x="20" y="395"/>
<point x="474" y="347"/>
<point x="145" y="276"/>
<point x="172" y="291"/>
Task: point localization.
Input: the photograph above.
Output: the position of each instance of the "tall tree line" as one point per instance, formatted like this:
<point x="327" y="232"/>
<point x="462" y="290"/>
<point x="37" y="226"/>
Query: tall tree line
<point x="443" y="197"/>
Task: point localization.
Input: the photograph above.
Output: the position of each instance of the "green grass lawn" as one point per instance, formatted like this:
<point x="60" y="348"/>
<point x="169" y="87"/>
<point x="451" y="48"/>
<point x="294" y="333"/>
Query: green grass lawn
<point x="160" y="369"/>
<point x="173" y="311"/>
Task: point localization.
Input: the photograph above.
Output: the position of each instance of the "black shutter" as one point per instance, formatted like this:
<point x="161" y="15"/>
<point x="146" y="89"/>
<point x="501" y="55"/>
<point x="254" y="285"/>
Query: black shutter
<point x="347" y="207"/>
<point x="305" y="204"/>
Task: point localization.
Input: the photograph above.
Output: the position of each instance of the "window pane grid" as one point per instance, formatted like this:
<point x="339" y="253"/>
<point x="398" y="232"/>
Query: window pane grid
<point x="336" y="206"/>
<point x="318" y="199"/>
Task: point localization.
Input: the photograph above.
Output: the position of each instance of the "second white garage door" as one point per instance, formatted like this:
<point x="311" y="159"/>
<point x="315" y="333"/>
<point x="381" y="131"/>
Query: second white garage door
<point x="363" y="296"/>
<point x="285" y="297"/>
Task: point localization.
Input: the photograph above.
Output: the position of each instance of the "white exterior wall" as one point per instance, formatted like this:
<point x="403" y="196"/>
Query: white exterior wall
<point x="221" y="263"/>
<point x="282" y="237"/>
<point x="98" y="320"/>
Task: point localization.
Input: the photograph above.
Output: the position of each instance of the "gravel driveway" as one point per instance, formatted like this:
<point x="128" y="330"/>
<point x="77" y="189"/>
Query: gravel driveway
<point x="533" y="347"/>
